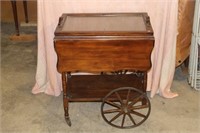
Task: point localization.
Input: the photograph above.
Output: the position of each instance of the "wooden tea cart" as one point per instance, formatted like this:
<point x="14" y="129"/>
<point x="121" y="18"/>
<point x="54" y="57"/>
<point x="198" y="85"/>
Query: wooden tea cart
<point x="116" y="49"/>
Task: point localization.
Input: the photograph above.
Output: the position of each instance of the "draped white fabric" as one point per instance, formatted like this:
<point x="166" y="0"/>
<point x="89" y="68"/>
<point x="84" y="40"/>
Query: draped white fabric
<point x="163" y="15"/>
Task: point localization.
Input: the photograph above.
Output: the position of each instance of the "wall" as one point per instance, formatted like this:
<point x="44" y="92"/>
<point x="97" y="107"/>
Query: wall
<point x="7" y="13"/>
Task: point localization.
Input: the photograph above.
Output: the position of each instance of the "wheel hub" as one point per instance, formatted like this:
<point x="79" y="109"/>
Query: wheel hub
<point x="125" y="110"/>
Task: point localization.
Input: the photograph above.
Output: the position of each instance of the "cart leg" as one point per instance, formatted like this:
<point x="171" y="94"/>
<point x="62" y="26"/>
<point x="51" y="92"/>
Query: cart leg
<point x="65" y="99"/>
<point x="25" y="10"/>
<point x="14" y="7"/>
<point x="144" y="102"/>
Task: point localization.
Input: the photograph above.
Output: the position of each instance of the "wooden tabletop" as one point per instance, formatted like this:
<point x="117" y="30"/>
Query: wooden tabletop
<point x="104" y="24"/>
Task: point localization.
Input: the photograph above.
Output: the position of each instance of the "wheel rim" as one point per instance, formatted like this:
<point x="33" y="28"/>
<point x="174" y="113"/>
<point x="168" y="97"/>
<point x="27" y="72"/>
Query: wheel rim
<point x="125" y="107"/>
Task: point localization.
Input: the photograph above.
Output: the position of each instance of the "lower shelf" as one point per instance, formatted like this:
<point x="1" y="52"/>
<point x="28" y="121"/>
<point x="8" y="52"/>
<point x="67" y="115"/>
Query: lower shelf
<point x="96" y="87"/>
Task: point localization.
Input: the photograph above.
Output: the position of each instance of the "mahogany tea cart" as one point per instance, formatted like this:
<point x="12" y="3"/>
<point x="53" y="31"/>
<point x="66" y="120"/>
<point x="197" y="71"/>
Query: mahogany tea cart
<point x="114" y="47"/>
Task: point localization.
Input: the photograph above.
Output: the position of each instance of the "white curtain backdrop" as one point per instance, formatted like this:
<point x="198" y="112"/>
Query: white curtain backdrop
<point x="163" y="15"/>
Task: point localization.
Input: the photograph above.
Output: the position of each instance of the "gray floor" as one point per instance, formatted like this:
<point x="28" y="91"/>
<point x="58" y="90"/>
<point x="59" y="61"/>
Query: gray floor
<point x="23" y="112"/>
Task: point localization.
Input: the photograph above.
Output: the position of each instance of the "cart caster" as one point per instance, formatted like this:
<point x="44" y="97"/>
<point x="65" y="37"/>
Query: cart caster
<point x="125" y="107"/>
<point x="68" y="121"/>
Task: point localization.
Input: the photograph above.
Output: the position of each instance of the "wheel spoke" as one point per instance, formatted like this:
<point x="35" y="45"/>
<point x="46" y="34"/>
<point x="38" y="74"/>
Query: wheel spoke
<point x="111" y="111"/>
<point x="139" y="107"/>
<point x="135" y="100"/>
<point x="131" y="118"/>
<point x="127" y="97"/>
<point x="123" y="119"/>
<point x="137" y="113"/>
<point x="114" y="118"/>
<point x="113" y="104"/>
<point x="118" y="96"/>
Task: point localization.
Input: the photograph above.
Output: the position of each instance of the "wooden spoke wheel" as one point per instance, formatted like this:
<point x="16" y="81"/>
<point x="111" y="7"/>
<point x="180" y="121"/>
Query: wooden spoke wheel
<point x="125" y="107"/>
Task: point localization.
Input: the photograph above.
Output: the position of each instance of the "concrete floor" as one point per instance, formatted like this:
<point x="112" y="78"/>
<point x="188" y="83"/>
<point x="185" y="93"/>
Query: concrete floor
<point x="23" y="112"/>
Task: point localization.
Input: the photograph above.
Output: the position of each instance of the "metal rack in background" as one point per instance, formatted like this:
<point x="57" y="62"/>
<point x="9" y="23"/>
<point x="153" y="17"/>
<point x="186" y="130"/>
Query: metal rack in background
<point x="194" y="63"/>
